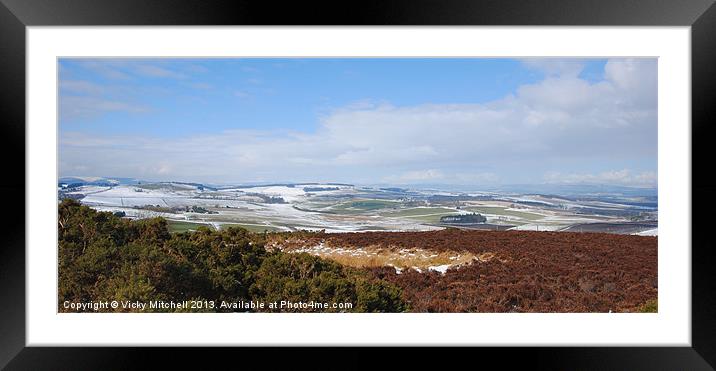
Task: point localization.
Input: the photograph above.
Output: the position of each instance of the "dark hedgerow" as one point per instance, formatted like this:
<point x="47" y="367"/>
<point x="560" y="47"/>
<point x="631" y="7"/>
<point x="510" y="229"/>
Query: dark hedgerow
<point x="103" y="257"/>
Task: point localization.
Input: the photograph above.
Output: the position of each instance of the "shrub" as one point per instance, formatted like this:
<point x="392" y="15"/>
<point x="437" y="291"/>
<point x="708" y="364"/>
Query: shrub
<point x="104" y="257"/>
<point x="651" y="306"/>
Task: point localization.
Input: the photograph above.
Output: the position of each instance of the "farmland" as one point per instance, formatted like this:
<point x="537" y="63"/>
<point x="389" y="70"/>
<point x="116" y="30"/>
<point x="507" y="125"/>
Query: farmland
<point x="350" y="208"/>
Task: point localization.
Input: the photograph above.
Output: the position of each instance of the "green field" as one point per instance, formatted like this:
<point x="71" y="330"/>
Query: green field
<point x="419" y="211"/>
<point x="365" y="205"/>
<point x="176" y="226"/>
<point x="496" y="210"/>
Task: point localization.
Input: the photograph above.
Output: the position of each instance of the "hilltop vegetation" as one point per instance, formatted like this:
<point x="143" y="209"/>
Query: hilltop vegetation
<point x="507" y="271"/>
<point x="103" y="257"/>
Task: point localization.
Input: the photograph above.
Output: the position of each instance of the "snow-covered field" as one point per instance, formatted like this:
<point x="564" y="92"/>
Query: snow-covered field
<point x="316" y="207"/>
<point x="236" y="205"/>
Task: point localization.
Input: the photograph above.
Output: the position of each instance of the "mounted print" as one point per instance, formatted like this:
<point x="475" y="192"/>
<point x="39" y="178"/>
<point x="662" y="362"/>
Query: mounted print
<point x="463" y="174"/>
<point x="357" y="185"/>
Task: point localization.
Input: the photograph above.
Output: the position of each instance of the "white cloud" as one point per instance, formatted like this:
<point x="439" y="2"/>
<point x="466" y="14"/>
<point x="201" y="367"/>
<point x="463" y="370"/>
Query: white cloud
<point x="83" y="99"/>
<point x="196" y="68"/>
<point x="623" y="177"/>
<point x="201" y="86"/>
<point x="108" y="69"/>
<point x="561" y="123"/>
<point x="130" y="68"/>
<point x="241" y="94"/>
<point x="84" y="107"/>
<point x="418" y="176"/>
<point x="150" y="70"/>
<point x="81" y="87"/>
<point x="436" y="176"/>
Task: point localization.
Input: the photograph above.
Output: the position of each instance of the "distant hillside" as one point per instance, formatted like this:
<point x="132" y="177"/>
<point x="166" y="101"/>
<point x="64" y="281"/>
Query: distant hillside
<point x="98" y="181"/>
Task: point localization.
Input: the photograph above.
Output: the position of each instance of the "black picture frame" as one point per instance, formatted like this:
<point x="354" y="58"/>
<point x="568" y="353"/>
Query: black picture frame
<point x="16" y="15"/>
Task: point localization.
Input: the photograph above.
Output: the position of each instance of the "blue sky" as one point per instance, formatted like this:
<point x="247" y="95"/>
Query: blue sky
<point x="393" y="121"/>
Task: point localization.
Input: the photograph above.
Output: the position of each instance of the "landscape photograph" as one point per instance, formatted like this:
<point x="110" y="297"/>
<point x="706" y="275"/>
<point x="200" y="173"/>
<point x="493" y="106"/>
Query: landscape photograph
<point x="381" y="185"/>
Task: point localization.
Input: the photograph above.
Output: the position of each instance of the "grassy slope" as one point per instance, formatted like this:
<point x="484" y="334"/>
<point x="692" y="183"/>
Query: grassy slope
<point x="176" y="226"/>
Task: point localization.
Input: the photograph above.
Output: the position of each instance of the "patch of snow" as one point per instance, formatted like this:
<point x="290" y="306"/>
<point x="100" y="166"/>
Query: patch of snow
<point x="289" y="194"/>
<point x="398" y="270"/>
<point x="440" y="268"/>
<point x="648" y="232"/>
<point x="539" y="227"/>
